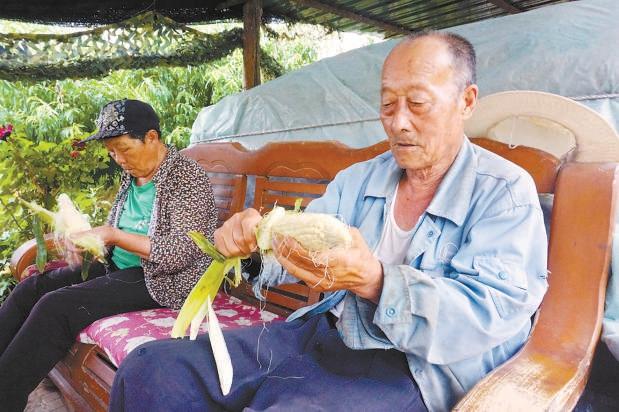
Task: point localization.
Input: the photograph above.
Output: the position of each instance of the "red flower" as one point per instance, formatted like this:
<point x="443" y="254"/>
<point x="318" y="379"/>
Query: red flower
<point x="5" y="132"/>
<point x="74" y="154"/>
<point x="78" y="145"/>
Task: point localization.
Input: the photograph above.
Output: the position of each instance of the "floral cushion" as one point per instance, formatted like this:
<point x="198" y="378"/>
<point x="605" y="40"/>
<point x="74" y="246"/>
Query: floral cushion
<point x="119" y="334"/>
<point x="51" y="265"/>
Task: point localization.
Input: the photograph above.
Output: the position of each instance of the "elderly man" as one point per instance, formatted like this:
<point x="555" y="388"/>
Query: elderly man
<point x="447" y="266"/>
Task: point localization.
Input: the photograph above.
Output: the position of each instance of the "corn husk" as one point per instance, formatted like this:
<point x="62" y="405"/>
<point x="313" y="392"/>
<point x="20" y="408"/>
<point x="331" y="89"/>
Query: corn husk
<point x="67" y="222"/>
<point x="198" y="305"/>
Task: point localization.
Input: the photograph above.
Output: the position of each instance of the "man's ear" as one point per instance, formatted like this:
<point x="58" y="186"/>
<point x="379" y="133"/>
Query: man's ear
<point x="469" y="97"/>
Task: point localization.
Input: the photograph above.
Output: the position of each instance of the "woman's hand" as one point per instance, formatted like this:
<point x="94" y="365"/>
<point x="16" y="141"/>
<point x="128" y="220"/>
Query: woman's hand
<point x="108" y="234"/>
<point x="237" y="236"/>
<point x="355" y="269"/>
<point x="73" y="253"/>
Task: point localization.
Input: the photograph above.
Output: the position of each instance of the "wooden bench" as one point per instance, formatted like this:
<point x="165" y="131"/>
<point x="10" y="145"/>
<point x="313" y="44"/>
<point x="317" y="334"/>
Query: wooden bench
<point x="551" y="369"/>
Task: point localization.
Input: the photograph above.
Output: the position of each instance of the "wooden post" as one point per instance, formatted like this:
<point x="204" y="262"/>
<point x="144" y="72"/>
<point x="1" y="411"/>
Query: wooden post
<point x="252" y="16"/>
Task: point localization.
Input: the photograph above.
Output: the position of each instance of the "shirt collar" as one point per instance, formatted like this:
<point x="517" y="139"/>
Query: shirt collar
<point x="453" y="195"/>
<point x="385" y="178"/>
<point x="166" y="165"/>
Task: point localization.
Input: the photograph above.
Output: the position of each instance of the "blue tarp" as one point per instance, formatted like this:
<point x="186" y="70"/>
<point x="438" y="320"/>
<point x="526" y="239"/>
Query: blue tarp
<point x="568" y="49"/>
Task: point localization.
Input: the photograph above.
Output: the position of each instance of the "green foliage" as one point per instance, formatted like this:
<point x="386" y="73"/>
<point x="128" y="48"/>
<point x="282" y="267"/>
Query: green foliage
<point x="6" y="282"/>
<point x="48" y="115"/>
<point x="40" y="171"/>
<point x="56" y="110"/>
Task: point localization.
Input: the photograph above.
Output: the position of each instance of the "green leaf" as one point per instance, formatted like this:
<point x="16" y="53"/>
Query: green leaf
<point x="41" y="259"/>
<point x="297" y="204"/>
<point x="205" y="245"/>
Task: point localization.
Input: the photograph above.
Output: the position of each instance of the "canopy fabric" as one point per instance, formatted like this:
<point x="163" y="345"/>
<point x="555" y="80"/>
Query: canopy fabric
<point x="143" y="41"/>
<point x="391" y="17"/>
<point x="566" y="49"/>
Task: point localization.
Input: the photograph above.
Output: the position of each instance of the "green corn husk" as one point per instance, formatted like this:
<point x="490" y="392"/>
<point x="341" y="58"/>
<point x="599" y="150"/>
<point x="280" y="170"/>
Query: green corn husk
<point x="197" y="306"/>
<point x="87" y="260"/>
<point x="207" y="286"/>
<point x="37" y="228"/>
<point x="45" y="215"/>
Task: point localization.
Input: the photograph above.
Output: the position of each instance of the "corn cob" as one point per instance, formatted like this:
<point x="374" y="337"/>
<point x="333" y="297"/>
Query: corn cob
<point x="316" y="232"/>
<point x="68" y="221"/>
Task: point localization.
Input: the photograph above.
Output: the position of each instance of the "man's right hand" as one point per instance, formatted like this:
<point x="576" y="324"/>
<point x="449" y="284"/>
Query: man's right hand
<point x="237" y="236"/>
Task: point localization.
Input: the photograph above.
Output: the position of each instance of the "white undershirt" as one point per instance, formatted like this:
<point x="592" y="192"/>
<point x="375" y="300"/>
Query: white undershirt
<point x="394" y="242"/>
<point x="392" y="247"/>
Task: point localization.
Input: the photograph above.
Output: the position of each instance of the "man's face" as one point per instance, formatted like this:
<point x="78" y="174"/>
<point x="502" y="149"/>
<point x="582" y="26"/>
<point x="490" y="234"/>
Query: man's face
<point x="134" y="156"/>
<point x="422" y="108"/>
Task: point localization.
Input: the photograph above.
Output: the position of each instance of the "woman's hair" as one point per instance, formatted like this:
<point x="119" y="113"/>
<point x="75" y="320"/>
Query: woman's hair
<point x="140" y="136"/>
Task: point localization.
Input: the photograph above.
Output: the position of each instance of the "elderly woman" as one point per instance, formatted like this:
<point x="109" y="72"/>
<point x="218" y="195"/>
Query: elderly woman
<point x="151" y="261"/>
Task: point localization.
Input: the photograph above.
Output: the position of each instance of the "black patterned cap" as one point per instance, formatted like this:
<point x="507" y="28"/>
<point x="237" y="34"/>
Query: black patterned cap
<point x="125" y="116"/>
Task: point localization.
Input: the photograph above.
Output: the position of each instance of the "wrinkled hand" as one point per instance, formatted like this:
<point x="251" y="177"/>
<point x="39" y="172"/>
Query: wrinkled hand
<point x="237" y="236"/>
<point x="107" y="233"/>
<point x="355" y="269"/>
<point x="72" y="252"/>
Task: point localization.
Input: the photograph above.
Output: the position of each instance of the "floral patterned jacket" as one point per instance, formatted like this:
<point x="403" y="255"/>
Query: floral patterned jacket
<point x="184" y="201"/>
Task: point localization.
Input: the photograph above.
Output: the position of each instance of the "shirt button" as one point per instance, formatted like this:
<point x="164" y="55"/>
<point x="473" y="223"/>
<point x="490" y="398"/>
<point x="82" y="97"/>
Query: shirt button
<point x="390" y="312"/>
<point x="418" y="371"/>
<point x="431" y="234"/>
<point x="502" y="275"/>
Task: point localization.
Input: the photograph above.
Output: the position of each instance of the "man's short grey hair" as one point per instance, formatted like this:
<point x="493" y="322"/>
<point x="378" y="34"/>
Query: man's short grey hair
<point x="462" y="54"/>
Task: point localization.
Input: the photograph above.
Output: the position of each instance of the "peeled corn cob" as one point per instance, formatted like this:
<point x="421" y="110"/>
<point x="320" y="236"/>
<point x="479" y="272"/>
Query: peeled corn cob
<point x="316" y="232"/>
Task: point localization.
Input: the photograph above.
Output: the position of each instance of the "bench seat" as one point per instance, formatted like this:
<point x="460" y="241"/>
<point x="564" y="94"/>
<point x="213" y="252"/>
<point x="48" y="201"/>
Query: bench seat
<point x="120" y="334"/>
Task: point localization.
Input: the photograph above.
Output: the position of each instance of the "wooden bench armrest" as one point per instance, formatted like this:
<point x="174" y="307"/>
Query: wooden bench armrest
<point x="26" y="254"/>
<point x="551" y="370"/>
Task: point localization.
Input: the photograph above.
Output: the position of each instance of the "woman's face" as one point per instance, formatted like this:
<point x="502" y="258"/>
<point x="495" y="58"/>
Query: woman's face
<point x="138" y="158"/>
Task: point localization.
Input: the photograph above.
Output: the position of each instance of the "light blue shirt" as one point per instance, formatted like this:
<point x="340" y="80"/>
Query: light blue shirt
<point x="610" y="326"/>
<point x="477" y="270"/>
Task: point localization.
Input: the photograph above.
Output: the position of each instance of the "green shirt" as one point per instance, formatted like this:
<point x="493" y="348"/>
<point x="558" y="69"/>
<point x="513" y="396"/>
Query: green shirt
<point x="135" y="218"/>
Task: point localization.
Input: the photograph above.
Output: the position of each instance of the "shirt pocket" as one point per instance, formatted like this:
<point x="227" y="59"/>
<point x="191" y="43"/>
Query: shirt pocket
<point x="506" y="281"/>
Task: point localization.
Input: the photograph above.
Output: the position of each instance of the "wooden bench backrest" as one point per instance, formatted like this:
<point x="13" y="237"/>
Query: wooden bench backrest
<point x="283" y="172"/>
<point x="554" y="364"/>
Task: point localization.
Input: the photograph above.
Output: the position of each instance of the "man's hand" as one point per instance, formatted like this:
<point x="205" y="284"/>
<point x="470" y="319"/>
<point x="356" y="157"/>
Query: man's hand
<point x="355" y="269"/>
<point x="237" y="236"/>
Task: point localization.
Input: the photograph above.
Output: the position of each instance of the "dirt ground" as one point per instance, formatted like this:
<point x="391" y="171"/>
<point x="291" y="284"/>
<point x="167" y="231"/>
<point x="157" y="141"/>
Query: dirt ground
<point x="46" y="398"/>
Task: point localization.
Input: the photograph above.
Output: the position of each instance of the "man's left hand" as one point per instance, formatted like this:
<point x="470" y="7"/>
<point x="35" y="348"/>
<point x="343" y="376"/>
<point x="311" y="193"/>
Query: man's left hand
<point x="355" y="269"/>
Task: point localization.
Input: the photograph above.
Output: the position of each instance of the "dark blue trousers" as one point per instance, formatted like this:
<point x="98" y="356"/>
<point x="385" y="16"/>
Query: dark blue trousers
<point x="296" y="366"/>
